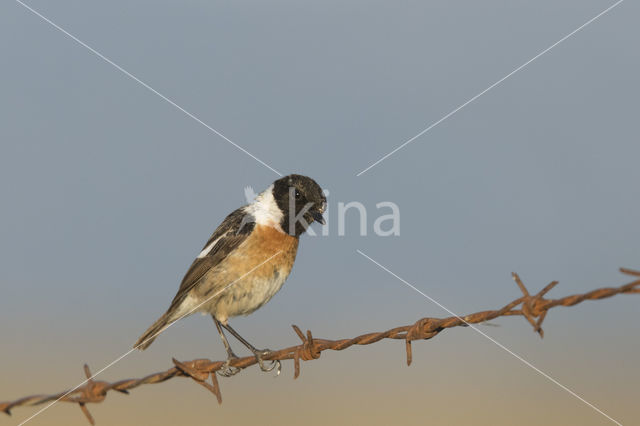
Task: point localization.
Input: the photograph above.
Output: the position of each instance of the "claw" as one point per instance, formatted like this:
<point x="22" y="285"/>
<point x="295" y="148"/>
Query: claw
<point x="227" y="370"/>
<point x="273" y="363"/>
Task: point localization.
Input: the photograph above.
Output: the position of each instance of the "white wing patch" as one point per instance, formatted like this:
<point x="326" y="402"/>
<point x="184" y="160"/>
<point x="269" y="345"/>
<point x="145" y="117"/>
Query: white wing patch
<point x="208" y="248"/>
<point x="263" y="211"/>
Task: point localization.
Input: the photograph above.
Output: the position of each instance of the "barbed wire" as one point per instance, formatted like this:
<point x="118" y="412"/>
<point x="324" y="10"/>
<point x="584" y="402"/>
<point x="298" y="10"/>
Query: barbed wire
<point x="203" y="371"/>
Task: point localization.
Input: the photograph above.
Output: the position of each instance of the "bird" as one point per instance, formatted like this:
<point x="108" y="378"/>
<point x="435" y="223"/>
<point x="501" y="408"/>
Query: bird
<point x="245" y="262"/>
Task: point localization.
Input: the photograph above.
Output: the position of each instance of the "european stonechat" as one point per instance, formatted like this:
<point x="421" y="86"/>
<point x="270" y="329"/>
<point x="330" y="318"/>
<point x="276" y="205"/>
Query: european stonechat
<point x="246" y="261"/>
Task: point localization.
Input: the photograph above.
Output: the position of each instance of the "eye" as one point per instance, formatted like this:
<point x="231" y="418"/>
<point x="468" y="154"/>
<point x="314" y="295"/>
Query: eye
<point x="298" y="195"/>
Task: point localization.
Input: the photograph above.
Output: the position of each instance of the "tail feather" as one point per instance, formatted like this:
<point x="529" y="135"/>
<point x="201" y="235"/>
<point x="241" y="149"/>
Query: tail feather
<point x="152" y="332"/>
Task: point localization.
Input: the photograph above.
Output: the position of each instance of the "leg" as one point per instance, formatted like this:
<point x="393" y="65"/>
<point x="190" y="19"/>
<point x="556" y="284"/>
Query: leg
<point x="259" y="354"/>
<point x="224" y="338"/>
<point x="227" y="370"/>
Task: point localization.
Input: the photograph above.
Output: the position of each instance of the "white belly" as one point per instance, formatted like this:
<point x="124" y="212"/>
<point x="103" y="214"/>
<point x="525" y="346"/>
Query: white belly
<point x="247" y="295"/>
<point x="241" y="297"/>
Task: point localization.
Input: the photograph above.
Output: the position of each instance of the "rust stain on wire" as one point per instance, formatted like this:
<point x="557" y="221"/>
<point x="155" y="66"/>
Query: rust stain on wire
<point x="203" y="371"/>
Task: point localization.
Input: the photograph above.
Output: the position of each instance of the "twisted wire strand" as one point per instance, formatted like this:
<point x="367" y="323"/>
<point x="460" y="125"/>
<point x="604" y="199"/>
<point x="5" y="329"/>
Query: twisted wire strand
<point x="203" y="371"/>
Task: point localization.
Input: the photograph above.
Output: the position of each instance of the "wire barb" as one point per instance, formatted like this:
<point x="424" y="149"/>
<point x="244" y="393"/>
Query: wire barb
<point x="200" y="377"/>
<point x="532" y="305"/>
<point x="533" y="308"/>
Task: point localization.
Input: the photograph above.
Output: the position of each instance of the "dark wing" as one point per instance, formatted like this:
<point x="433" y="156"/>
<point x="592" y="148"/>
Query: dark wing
<point x="230" y="234"/>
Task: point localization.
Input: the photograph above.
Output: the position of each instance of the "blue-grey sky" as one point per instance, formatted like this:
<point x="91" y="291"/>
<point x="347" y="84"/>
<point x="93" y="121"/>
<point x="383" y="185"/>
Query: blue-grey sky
<point x="108" y="192"/>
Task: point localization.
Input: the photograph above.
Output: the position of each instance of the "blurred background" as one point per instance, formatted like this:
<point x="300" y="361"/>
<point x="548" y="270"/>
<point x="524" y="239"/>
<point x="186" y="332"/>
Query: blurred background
<point x="108" y="192"/>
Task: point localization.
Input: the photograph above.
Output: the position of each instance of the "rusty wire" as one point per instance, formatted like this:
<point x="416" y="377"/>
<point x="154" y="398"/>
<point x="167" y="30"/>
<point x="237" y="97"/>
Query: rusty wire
<point x="533" y="307"/>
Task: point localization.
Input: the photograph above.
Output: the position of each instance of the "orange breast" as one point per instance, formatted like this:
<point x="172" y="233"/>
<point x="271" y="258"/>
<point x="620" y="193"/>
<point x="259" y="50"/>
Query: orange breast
<point x="269" y="239"/>
<point x="256" y="270"/>
<point x="265" y="250"/>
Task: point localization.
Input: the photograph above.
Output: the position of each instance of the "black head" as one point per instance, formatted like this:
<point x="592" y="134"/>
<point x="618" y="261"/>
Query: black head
<point x="301" y="201"/>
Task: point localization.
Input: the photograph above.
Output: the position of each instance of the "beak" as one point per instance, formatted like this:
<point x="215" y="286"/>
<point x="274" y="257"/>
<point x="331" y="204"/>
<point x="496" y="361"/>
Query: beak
<point x="317" y="216"/>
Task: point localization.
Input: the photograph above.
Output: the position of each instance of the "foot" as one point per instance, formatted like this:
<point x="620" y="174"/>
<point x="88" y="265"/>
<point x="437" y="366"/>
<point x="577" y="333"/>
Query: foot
<point x="272" y="364"/>
<point x="227" y="370"/>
